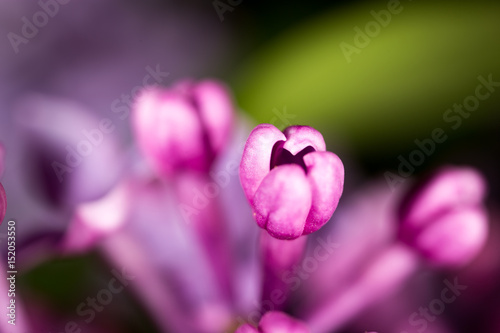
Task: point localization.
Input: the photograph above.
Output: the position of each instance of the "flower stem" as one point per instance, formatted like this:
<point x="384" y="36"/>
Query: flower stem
<point x="278" y="257"/>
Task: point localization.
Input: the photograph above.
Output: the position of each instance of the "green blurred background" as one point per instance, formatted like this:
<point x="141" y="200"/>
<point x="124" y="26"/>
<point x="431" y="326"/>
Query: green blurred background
<point x="393" y="89"/>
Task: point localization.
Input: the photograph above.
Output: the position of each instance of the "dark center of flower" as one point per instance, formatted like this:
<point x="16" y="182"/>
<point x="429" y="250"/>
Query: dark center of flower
<point x="282" y="156"/>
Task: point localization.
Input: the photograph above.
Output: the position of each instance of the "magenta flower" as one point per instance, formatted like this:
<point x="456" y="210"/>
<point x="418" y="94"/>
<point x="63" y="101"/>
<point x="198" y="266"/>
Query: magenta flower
<point x="444" y="218"/>
<point x="292" y="183"/>
<point x="185" y="126"/>
<point x="274" y="321"/>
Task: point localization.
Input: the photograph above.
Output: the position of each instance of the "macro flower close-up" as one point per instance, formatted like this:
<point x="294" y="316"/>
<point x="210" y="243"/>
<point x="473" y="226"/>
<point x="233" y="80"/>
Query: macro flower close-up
<point x="249" y="167"/>
<point x="292" y="183"/>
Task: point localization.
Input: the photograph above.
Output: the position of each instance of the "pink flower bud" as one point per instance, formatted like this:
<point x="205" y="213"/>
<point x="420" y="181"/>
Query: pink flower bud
<point x="273" y="322"/>
<point x="292" y="183"/>
<point x="444" y="218"/>
<point x="183" y="127"/>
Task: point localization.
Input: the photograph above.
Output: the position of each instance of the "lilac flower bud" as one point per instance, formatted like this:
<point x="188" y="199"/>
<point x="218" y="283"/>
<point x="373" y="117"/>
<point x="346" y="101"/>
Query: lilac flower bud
<point x="292" y="183"/>
<point x="444" y="218"/>
<point x="183" y="127"/>
<point x="275" y="321"/>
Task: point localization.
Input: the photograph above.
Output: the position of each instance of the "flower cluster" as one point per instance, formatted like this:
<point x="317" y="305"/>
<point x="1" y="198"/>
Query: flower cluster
<point x="258" y="253"/>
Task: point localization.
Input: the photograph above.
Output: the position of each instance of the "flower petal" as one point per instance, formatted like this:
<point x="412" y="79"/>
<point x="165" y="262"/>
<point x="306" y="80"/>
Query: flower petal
<point x="71" y="155"/>
<point x="256" y="159"/>
<point x="216" y="111"/>
<point x="450" y="187"/>
<point x="300" y="137"/>
<point x="94" y="220"/>
<point x="168" y="130"/>
<point x="325" y="173"/>
<point x="455" y="238"/>
<point x="282" y="202"/>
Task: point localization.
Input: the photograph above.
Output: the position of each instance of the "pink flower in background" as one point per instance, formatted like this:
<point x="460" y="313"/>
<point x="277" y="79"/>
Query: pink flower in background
<point x="183" y="127"/>
<point x="292" y="182"/>
<point x="444" y="217"/>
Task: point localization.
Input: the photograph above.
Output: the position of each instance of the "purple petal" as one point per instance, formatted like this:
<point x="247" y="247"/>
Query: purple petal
<point x="444" y="219"/>
<point x="73" y="156"/>
<point x="300" y="137"/>
<point x="366" y="287"/>
<point x="168" y="131"/>
<point x="368" y="212"/>
<point x="96" y="219"/>
<point x="455" y="238"/>
<point x="273" y="322"/>
<point x="450" y="187"/>
<point x="216" y="112"/>
<point x="325" y="173"/>
<point x="256" y="159"/>
<point x="246" y="328"/>
<point x="282" y="202"/>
